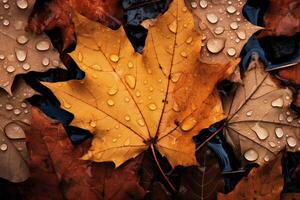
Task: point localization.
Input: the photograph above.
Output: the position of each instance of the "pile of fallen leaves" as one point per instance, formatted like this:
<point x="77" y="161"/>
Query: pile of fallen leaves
<point x="155" y="93"/>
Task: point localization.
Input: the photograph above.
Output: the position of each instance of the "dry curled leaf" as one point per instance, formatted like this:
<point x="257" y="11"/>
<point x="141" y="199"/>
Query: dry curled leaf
<point x="224" y="28"/>
<point x="260" y="122"/>
<point x="21" y="51"/>
<point x="131" y="101"/>
<point x="204" y="181"/>
<point x="55" y="159"/>
<point x="282" y="18"/>
<point x="264" y="183"/>
<point x="15" y="117"/>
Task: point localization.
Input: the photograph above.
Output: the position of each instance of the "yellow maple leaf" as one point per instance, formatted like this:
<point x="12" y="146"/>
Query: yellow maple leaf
<point x="130" y="101"/>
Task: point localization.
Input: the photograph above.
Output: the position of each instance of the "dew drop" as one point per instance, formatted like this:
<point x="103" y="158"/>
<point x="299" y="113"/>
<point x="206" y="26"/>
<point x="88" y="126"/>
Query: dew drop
<point x="93" y="124"/>
<point x="45" y="61"/>
<point x="231" y="51"/>
<point x="2" y="57"/>
<point x="14" y="131"/>
<point x="112" y="91"/>
<point x="130" y="81"/>
<point x="17" y="111"/>
<point x="22" y="39"/>
<point x="291" y="141"/>
<point x="279" y="132"/>
<point x="183" y="54"/>
<point x="175" y="77"/>
<point x="110" y="102"/>
<point x="3" y="147"/>
<point x="67" y="105"/>
<point x="188" y="123"/>
<point x="289" y="119"/>
<point x="173" y="26"/>
<point x="114" y="140"/>
<point x="219" y="30"/>
<point x="277" y="103"/>
<point x="20" y="54"/>
<point x="189" y="40"/>
<point x="261" y="132"/>
<point x="22" y="4"/>
<point x="130" y="65"/>
<point x="212" y="18"/>
<point x="5" y="22"/>
<point x="280" y="117"/>
<point x="42" y="45"/>
<point x="138" y="93"/>
<point x="241" y="34"/>
<point x="231" y="9"/>
<point x="26" y="66"/>
<point x="251" y="155"/>
<point x="267" y="158"/>
<point x="127" y="117"/>
<point x="234" y="25"/>
<point x="141" y="122"/>
<point x="215" y="45"/>
<point x="203" y="4"/>
<point x="152" y="106"/>
<point x="114" y="58"/>
<point x="10" y="69"/>
<point x="80" y="57"/>
<point x="272" y="144"/>
<point x="194" y="4"/>
<point x="176" y="107"/>
<point x="126" y="99"/>
<point x="249" y="113"/>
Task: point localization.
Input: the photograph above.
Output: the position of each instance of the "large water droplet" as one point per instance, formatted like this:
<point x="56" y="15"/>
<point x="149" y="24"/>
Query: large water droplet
<point x="234" y="25"/>
<point x="231" y="51"/>
<point x="22" y="4"/>
<point x="203" y="4"/>
<point x="231" y="9"/>
<point x="10" y="69"/>
<point x="114" y="58"/>
<point x="45" y="61"/>
<point x="261" y="132"/>
<point x="188" y="123"/>
<point x="14" y="131"/>
<point x="130" y="80"/>
<point x="267" y="158"/>
<point x="17" y="111"/>
<point x="291" y="141"/>
<point x="251" y="155"/>
<point x="152" y="106"/>
<point x="3" y="147"/>
<point x="241" y="34"/>
<point x="194" y="4"/>
<point x="22" y="39"/>
<point x="42" y="45"/>
<point x="26" y="66"/>
<point x="20" y="54"/>
<point x="279" y="132"/>
<point x="212" y="18"/>
<point x="219" y="30"/>
<point x="277" y="103"/>
<point x="215" y="45"/>
<point x="173" y="26"/>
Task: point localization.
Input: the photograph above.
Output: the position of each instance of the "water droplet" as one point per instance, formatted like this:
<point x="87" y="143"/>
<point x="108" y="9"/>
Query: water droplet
<point x="280" y="117"/>
<point x="289" y="119"/>
<point x="114" y="58"/>
<point x="20" y="54"/>
<point x="130" y="80"/>
<point x="173" y="26"/>
<point x="14" y="131"/>
<point x="219" y="30"/>
<point x="261" y="132"/>
<point x="127" y="117"/>
<point x="272" y="144"/>
<point x="241" y="34"/>
<point x="277" y="103"/>
<point x="80" y="57"/>
<point x="42" y="45"/>
<point x="152" y="106"/>
<point x="175" y="77"/>
<point x="251" y="155"/>
<point x="3" y="147"/>
<point x="188" y="123"/>
<point x="194" y="4"/>
<point x="215" y="45"/>
<point x="10" y="69"/>
<point x="138" y="93"/>
<point x="93" y="124"/>
<point x="176" y="107"/>
<point x="26" y="66"/>
<point x="249" y="113"/>
<point x="141" y="122"/>
<point x="183" y="54"/>
<point x="231" y="9"/>
<point x="2" y="57"/>
<point x="291" y="141"/>
<point x="114" y="140"/>
<point x="267" y="158"/>
<point x="45" y="61"/>
<point x="110" y="102"/>
<point x="5" y="22"/>
<point x="112" y="91"/>
<point x="189" y="40"/>
<point x="22" y="4"/>
<point x="22" y="39"/>
<point x="212" y="18"/>
<point x="203" y="3"/>
<point x="17" y="111"/>
<point x="130" y="65"/>
<point x="126" y="99"/>
<point x="234" y="25"/>
<point x="279" y="132"/>
<point x="231" y="51"/>
<point x="288" y="113"/>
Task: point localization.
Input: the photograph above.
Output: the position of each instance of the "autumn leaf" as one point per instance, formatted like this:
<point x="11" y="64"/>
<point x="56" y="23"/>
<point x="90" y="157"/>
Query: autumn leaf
<point x="223" y="27"/>
<point x="15" y="118"/>
<point x="55" y="159"/>
<point x="263" y="183"/>
<point x="260" y="123"/>
<point x="131" y="101"/>
<point x="21" y="51"/>
<point x="282" y="18"/>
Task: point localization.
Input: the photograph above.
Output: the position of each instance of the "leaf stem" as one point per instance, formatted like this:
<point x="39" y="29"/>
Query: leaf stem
<point x="161" y="170"/>
<point x="210" y="137"/>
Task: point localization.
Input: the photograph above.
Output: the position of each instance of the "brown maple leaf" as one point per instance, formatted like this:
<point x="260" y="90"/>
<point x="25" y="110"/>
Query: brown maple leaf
<point x="21" y="51"/>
